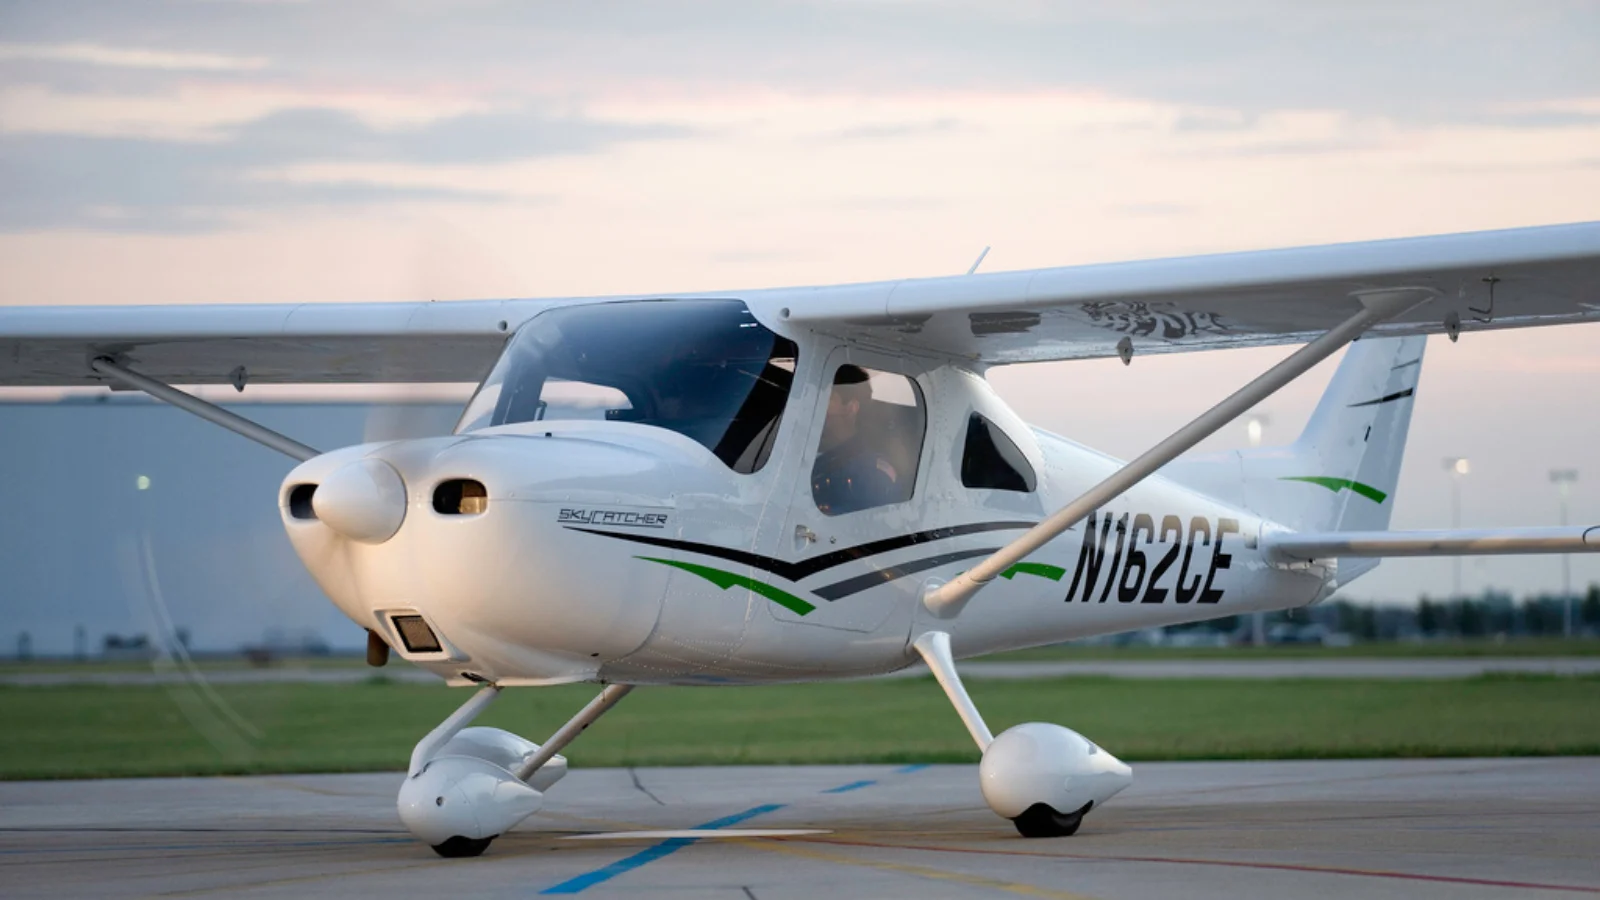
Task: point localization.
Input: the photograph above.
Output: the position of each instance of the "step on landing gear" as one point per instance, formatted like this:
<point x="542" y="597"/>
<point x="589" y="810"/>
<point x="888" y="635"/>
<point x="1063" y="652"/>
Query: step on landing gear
<point x="467" y="786"/>
<point x="1042" y="777"/>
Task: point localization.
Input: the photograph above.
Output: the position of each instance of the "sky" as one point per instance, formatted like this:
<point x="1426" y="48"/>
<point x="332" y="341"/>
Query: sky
<point x="208" y="151"/>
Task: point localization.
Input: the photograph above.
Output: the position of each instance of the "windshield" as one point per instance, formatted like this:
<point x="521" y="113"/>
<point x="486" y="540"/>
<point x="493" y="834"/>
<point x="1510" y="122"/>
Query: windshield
<point x="703" y="368"/>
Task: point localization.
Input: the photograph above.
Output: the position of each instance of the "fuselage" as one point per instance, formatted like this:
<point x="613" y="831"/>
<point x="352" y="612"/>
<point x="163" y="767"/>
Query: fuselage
<point x="632" y="541"/>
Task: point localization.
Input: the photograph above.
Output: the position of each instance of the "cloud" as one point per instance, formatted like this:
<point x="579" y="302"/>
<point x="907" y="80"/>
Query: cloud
<point x="324" y="135"/>
<point x="889" y="130"/>
<point x="1429" y="59"/>
<point x="120" y="57"/>
<point x="891" y="204"/>
<point x="1541" y="119"/>
<point x="144" y="184"/>
<point x="1154" y="209"/>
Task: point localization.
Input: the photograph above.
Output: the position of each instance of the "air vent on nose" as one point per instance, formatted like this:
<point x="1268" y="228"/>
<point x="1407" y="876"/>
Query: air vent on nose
<point x="300" y="501"/>
<point x="460" y="497"/>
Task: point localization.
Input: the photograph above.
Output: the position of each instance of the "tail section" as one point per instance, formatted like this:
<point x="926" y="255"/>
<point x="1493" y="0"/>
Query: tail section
<point x="1341" y="473"/>
<point x="1352" y="447"/>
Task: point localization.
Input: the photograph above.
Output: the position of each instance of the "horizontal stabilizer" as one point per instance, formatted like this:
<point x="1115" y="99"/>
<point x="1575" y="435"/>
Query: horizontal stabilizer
<point x="1303" y="546"/>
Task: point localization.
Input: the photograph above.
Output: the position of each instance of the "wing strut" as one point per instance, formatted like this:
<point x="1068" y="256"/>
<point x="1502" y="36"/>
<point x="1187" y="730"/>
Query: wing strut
<point x="947" y="600"/>
<point x="211" y="412"/>
<point x="1297" y="546"/>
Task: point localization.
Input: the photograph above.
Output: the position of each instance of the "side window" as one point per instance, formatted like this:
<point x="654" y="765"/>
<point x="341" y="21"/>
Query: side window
<point x="991" y="460"/>
<point x="871" y="441"/>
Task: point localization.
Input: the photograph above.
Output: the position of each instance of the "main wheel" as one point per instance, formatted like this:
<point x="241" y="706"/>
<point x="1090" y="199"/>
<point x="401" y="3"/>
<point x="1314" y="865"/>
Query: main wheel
<point x="1041" y="820"/>
<point x="460" y="847"/>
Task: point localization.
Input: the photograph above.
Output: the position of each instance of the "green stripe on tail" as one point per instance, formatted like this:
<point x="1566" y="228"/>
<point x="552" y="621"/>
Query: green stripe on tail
<point x="1340" y="484"/>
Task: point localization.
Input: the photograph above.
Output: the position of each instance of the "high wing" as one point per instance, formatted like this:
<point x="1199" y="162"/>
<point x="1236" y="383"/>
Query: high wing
<point x="1489" y="279"/>
<point x="276" y="344"/>
<point x="1483" y="280"/>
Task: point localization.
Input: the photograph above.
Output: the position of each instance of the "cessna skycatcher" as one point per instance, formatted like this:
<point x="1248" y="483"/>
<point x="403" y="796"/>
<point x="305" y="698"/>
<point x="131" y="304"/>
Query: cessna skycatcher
<point x="745" y="487"/>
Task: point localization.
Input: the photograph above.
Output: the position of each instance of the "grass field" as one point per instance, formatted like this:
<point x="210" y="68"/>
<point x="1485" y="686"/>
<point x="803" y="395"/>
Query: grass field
<point x="90" y="731"/>
<point x="1521" y="647"/>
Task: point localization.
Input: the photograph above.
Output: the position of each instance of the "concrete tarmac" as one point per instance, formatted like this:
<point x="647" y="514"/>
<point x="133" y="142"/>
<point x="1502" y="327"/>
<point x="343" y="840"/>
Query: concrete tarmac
<point x="1346" y="829"/>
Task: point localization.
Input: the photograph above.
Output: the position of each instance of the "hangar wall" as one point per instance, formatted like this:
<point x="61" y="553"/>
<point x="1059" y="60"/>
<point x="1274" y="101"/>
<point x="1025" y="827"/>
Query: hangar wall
<point x="119" y="514"/>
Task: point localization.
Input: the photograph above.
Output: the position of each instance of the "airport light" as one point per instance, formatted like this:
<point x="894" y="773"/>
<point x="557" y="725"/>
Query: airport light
<point x="1254" y="426"/>
<point x="1564" y="479"/>
<point x="1459" y="468"/>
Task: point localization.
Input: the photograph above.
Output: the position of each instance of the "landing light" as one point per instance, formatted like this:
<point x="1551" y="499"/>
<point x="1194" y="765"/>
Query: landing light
<point x="142" y="482"/>
<point x="416" y="635"/>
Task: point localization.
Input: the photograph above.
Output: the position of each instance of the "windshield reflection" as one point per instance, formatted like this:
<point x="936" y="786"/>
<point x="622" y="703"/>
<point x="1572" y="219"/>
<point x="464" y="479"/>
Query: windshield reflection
<point x="705" y="369"/>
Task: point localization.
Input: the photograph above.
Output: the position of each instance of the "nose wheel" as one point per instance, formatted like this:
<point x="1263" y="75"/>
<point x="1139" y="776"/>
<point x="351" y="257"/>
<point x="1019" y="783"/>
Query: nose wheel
<point x="467" y="786"/>
<point x="1042" y="821"/>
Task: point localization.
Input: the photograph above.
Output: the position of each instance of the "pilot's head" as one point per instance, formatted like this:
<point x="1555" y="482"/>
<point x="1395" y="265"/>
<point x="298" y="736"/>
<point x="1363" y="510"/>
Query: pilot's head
<point x="850" y="390"/>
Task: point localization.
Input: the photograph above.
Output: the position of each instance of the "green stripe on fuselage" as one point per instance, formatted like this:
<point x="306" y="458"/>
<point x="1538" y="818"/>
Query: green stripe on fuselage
<point x="1042" y="570"/>
<point x="727" y="580"/>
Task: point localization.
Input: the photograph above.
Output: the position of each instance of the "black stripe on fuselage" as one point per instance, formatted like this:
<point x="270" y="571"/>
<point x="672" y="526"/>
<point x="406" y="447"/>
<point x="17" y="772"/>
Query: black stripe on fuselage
<point x="883" y="576"/>
<point x="1397" y="395"/>
<point x="795" y="571"/>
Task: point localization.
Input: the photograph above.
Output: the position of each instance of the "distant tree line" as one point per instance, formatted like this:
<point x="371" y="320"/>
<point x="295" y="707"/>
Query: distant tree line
<point x="1489" y="614"/>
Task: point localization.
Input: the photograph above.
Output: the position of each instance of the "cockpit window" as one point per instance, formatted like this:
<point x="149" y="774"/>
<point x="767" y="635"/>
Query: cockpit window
<point x="703" y="368"/>
<point x="870" y="443"/>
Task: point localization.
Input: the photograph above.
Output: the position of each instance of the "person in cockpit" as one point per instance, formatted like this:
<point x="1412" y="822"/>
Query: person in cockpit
<point x="851" y="472"/>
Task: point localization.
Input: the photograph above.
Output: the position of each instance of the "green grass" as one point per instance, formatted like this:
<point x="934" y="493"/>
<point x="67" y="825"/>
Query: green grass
<point x="89" y="731"/>
<point x="55" y="665"/>
<point x="1521" y="647"/>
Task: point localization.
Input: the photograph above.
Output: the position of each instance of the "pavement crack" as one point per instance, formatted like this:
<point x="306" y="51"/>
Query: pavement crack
<point x="634" y="774"/>
<point x="747" y="892"/>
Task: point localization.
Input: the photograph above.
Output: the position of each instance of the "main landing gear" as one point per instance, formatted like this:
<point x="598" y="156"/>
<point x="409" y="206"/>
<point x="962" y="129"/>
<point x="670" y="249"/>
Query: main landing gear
<point x="1042" y="777"/>
<point x="467" y="786"/>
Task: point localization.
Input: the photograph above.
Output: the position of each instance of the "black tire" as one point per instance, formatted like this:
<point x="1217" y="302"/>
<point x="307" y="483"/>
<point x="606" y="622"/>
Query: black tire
<point x="1041" y="821"/>
<point x="460" y="847"/>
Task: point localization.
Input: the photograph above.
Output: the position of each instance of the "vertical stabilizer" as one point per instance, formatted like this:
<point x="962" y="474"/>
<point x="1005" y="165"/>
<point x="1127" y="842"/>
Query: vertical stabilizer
<point x="1341" y="473"/>
<point x="1352" y="447"/>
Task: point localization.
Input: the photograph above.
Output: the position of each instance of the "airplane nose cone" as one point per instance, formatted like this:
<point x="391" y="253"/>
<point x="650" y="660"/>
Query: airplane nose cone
<point x="364" y="501"/>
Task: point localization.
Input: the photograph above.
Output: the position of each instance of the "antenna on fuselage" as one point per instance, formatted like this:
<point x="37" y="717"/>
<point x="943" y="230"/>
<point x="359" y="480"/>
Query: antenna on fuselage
<point x="979" y="261"/>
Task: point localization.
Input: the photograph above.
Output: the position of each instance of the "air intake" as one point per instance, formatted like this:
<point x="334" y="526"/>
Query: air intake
<point x="460" y="497"/>
<point x="300" y="501"/>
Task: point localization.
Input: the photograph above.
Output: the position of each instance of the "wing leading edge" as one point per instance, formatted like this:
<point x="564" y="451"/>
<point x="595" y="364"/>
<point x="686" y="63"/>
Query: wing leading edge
<point x="275" y="344"/>
<point x="1484" y="280"/>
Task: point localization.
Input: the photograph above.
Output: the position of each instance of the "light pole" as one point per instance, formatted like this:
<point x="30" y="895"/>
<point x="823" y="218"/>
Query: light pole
<point x="1253" y="428"/>
<point x="1564" y="479"/>
<point x="1458" y="467"/>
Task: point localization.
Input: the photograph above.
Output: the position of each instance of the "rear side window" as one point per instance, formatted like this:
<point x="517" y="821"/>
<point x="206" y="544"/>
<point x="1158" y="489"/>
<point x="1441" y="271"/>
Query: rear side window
<point x="991" y="460"/>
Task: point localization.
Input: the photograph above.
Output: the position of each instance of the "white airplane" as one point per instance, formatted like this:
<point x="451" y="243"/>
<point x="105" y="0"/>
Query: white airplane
<point x="751" y="487"/>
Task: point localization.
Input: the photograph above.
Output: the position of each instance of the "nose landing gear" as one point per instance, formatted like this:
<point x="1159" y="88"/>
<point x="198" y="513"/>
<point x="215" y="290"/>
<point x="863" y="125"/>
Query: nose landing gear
<point x="1042" y="777"/>
<point x="467" y="786"/>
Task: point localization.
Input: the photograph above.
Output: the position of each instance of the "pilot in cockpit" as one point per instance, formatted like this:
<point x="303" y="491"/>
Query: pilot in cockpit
<point x="851" y="472"/>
